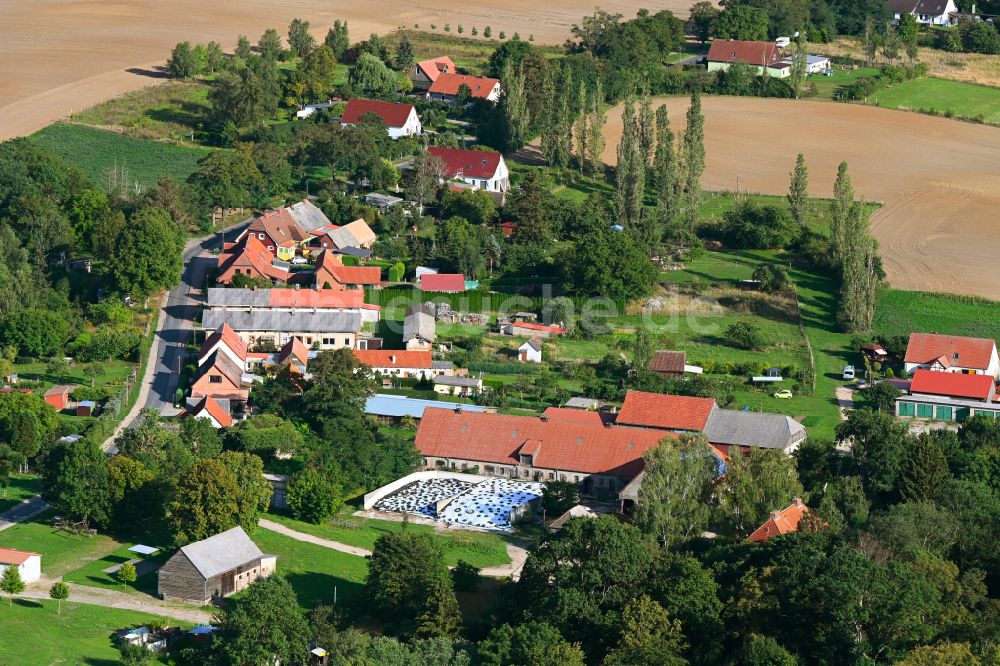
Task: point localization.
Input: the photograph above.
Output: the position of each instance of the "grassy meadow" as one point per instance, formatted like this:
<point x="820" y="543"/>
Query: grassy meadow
<point x="898" y="313"/>
<point x="942" y="97"/>
<point x="61" y="551"/>
<point x="21" y="488"/>
<point x="98" y="153"/>
<point x="33" y="632"/>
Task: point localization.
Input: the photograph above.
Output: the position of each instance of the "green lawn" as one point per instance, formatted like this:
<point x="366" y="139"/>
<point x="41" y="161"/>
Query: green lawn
<point x="314" y="571"/>
<point x="827" y="86"/>
<point x="60" y="551"/>
<point x="940" y="96"/>
<point x="83" y="634"/>
<point x="22" y="487"/>
<point x="92" y="573"/>
<point x="115" y="372"/>
<point x="477" y="548"/>
<point x="171" y="110"/>
<point x="899" y="313"/>
<point x="98" y="153"/>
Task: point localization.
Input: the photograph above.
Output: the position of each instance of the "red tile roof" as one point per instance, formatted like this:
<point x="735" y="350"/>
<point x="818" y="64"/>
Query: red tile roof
<point x="316" y="298"/>
<point x="214" y="410"/>
<point x="751" y="53"/>
<point x="448" y="84"/>
<point x="539" y="327"/>
<point x="668" y="361"/>
<point x="453" y="282"/>
<point x="971" y="352"/>
<point x="394" y="358"/>
<point x="669" y="412"/>
<point x="249" y="252"/>
<point x="573" y="415"/>
<point x="392" y="114"/>
<point x="463" y="163"/>
<point x="16" y="557"/>
<point x="333" y="265"/>
<point x="436" y="66"/>
<point x="280" y="226"/>
<point x="294" y="348"/>
<point x="780" y="522"/>
<point x="952" y="384"/>
<point x="228" y="337"/>
<point x="555" y="444"/>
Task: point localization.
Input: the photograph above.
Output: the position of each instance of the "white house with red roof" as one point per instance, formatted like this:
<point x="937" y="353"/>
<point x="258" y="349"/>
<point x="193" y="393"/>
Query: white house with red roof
<point x="447" y="88"/>
<point x="28" y="564"/>
<point x="478" y="169"/>
<point x="426" y="72"/>
<point x="952" y="353"/>
<point x="212" y="411"/>
<point x="403" y="363"/>
<point x="724" y="53"/>
<point x="399" y="119"/>
<point x="227" y="342"/>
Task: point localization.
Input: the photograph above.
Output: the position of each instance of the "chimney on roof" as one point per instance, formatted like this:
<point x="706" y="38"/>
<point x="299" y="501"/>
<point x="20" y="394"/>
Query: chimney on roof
<point x="543" y="418"/>
<point x="797" y="501"/>
<point x="392" y="359"/>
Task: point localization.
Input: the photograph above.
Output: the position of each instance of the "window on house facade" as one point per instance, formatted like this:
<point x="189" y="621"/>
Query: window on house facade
<point x="329" y="341"/>
<point x="347" y="342"/>
<point x="525" y="459"/>
<point x="260" y="236"/>
<point x="215" y="379"/>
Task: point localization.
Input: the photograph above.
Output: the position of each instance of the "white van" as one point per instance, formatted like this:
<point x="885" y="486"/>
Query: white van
<point x="849" y="373"/>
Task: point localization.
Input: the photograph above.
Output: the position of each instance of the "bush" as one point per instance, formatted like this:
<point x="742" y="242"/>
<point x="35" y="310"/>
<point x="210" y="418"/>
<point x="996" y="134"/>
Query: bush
<point x="772" y="277"/>
<point x="396" y="272"/>
<point x="745" y="335"/>
<point x="558" y="497"/>
<point x="96" y="394"/>
<point x="750" y="225"/>
<point x="313" y="497"/>
<point x="465" y="577"/>
<point x="35" y="332"/>
<point x="108" y="343"/>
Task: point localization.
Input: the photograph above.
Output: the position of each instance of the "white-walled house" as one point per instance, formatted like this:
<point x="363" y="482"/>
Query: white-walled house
<point x="399" y="119"/>
<point x="478" y="169"/>
<point x="29" y="565"/>
<point x="530" y="351"/>
<point x="951" y="353"/>
<point x="927" y="12"/>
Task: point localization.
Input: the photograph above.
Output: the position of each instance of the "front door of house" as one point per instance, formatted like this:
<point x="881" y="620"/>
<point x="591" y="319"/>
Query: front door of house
<point x="228" y="583"/>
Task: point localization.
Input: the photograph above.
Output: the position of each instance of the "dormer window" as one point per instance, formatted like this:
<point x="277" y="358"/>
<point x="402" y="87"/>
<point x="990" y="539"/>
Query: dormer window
<point x="526" y="459"/>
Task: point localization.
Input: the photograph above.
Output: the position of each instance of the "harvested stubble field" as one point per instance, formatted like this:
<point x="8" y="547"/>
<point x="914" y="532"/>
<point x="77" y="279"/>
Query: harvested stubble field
<point x="61" y="56"/>
<point x="938" y="179"/>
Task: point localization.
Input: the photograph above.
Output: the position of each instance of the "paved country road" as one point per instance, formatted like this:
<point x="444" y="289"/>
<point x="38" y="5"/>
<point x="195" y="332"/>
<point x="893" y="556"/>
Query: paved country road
<point x="174" y="330"/>
<point x="22" y="511"/>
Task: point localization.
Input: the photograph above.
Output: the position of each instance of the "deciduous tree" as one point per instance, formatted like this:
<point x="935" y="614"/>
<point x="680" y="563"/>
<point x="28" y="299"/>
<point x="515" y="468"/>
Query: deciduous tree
<point x="672" y="504"/>
<point x="299" y="39"/>
<point x="798" y="191"/>
<point x="264" y="625"/>
<point x="693" y="150"/>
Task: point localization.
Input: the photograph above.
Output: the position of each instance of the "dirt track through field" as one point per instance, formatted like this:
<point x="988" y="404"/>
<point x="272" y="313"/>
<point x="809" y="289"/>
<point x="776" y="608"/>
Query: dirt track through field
<point x="60" y="56"/>
<point x="938" y="179"/>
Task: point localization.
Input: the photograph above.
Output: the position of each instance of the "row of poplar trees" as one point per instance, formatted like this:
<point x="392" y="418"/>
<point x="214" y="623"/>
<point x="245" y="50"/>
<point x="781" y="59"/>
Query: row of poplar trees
<point x="649" y="152"/>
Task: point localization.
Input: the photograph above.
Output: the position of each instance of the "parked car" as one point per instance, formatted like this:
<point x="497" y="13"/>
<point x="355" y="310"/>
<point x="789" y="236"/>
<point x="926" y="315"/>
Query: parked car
<point x="861" y="385"/>
<point x="849" y="373"/>
<point x="783" y="395"/>
<point x="298" y="260"/>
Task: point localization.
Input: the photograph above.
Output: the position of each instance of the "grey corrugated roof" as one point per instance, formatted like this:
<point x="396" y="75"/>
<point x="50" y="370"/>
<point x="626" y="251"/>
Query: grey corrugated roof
<point x="342" y="238"/>
<point x="769" y="431"/>
<point x="446" y="380"/>
<point x="442" y="365"/>
<point x="308" y="215"/>
<point x="222" y="552"/>
<point x="419" y="323"/>
<point x="382" y="404"/>
<point x="582" y="403"/>
<point x="322" y="321"/>
<point x="219" y="297"/>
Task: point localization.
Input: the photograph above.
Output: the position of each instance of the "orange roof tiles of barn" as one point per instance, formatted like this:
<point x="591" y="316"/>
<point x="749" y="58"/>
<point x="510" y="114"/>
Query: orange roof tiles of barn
<point x="316" y="298"/>
<point x="573" y="415"/>
<point x="971" y="352"/>
<point x="780" y="522"/>
<point x="952" y="384"/>
<point x="555" y="444"/>
<point x="669" y="412"/>
<point x="394" y="358"/>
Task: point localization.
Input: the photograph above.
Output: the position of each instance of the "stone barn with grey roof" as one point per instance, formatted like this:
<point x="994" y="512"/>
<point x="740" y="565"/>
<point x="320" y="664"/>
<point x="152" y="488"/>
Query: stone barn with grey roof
<point x="218" y="566"/>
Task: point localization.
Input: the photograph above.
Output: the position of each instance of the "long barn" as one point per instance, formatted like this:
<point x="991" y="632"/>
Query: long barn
<point x="218" y="566"/>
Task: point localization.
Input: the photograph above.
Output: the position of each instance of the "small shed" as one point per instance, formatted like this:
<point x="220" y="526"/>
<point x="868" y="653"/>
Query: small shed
<point x="530" y="351"/>
<point x="85" y="408"/>
<point x="58" y="396"/>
